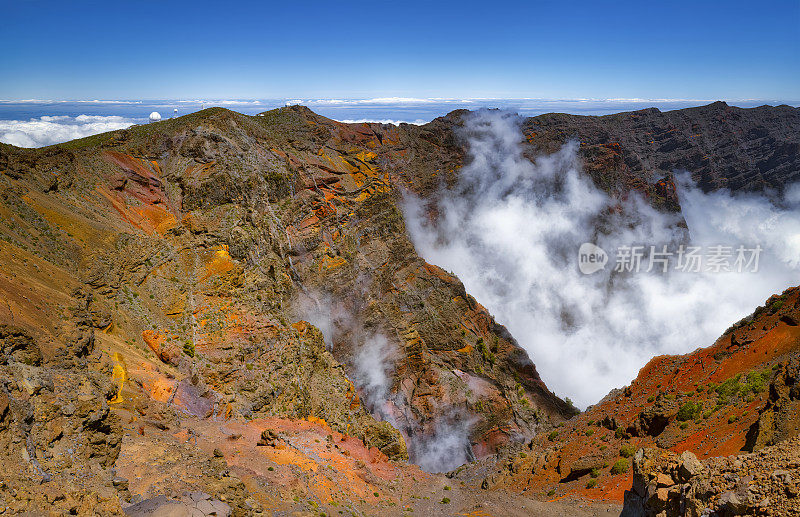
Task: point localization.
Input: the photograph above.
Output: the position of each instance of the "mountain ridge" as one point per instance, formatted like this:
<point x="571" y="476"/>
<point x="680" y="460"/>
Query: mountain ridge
<point x="171" y="270"/>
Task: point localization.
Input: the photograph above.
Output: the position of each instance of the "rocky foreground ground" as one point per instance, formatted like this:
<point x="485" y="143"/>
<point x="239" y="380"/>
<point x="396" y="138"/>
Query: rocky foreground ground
<point x="766" y="482"/>
<point x="156" y="355"/>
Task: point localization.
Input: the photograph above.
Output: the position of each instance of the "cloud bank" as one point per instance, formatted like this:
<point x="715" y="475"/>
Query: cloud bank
<point x="417" y="122"/>
<point x="511" y="230"/>
<point x="49" y="130"/>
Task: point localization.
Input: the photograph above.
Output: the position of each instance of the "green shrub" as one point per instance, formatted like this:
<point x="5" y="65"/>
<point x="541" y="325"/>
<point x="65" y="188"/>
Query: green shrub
<point x="487" y="355"/>
<point x="757" y="381"/>
<point x="728" y="388"/>
<point x="688" y="411"/>
<point x="620" y="467"/>
<point x="594" y="473"/>
<point x="589" y="432"/>
<point x="551" y="492"/>
<point x="735" y="387"/>
<point x="552" y="436"/>
<point x="592" y="483"/>
<point x="627" y="450"/>
<point x="445" y="500"/>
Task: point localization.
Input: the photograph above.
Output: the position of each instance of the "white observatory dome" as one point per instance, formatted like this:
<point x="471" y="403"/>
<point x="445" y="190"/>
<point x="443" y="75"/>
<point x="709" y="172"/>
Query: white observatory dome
<point x="155" y="116"/>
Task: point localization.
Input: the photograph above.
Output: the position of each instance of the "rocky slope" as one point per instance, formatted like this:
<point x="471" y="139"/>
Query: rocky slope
<point x="761" y="483"/>
<point x="168" y="269"/>
<point x="158" y="284"/>
<point x="740" y="394"/>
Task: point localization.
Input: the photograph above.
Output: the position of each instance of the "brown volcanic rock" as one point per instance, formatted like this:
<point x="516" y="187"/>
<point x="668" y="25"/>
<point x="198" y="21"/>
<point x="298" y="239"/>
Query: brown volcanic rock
<point x="780" y="417"/>
<point x="204" y="231"/>
<point x="58" y="438"/>
<point x="762" y="483"/>
<point x="170" y="264"/>
<point x="722" y="146"/>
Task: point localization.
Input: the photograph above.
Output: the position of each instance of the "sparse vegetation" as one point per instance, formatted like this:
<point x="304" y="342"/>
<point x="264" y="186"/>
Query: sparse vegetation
<point x="688" y="411"/>
<point x="485" y="353"/>
<point x="627" y="450"/>
<point x="620" y="467"/>
<point x="740" y="387"/>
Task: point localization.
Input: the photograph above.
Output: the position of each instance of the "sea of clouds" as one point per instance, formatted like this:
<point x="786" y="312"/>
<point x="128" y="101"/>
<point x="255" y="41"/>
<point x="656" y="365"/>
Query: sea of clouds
<point x="511" y="229"/>
<point x="40" y="122"/>
<point x="48" y="130"/>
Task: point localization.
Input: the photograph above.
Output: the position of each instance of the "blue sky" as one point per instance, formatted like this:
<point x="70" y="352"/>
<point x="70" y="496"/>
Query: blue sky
<point x="182" y="50"/>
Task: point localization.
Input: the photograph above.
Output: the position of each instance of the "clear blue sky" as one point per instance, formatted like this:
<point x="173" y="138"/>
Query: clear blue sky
<point x="333" y="49"/>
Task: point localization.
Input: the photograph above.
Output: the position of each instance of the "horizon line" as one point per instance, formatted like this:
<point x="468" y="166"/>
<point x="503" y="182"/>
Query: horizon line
<point x="346" y="101"/>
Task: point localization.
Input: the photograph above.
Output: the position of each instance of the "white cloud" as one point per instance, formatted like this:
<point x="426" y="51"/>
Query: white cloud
<point x="51" y="101"/>
<point x="49" y="130"/>
<point x="375" y="101"/>
<point x="511" y="230"/>
<point x="417" y="122"/>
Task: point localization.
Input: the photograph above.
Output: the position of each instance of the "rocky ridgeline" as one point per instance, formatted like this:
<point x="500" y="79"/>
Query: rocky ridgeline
<point x="152" y="330"/>
<point x="766" y="482"/>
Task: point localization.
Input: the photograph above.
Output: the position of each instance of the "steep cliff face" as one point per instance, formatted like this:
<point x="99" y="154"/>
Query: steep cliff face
<point x="173" y="290"/>
<point x="722" y="146"/>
